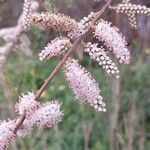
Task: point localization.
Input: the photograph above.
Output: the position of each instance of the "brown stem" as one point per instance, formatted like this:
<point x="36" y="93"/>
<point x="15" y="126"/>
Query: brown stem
<point x="61" y="63"/>
<point x="20" y="122"/>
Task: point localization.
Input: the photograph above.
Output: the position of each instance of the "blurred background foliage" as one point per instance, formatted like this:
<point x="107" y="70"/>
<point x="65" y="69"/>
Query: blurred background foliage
<point x="126" y="124"/>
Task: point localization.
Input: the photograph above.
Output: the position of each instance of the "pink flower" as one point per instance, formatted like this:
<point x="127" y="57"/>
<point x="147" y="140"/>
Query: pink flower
<point x="24" y="130"/>
<point x="25" y="20"/>
<point x="6" y="133"/>
<point x="83" y="26"/>
<point x="29" y="7"/>
<point x="113" y="40"/>
<point x="49" y="114"/>
<point x="56" y="48"/>
<point x="85" y="88"/>
<point x="27" y="104"/>
<point x="100" y="55"/>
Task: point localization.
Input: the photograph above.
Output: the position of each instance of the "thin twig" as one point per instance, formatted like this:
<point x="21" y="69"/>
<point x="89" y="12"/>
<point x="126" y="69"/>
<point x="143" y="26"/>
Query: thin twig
<point x="62" y="62"/>
<point x="20" y="122"/>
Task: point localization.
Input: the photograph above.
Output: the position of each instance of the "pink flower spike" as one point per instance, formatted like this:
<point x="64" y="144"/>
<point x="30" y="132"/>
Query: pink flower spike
<point x="100" y="55"/>
<point x="27" y="103"/>
<point x="6" y="133"/>
<point x="56" y="48"/>
<point x="24" y="130"/>
<point x="82" y="27"/>
<point x="104" y="32"/>
<point x="84" y="86"/>
<point x="49" y="114"/>
<point x="29" y="7"/>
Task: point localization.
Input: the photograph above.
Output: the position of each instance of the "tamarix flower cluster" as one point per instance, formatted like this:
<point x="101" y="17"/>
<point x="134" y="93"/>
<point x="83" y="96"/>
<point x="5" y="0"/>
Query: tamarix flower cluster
<point x="131" y="10"/>
<point x="84" y="86"/>
<point x="56" y="48"/>
<point x="100" y="55"/>
<point x="40" y="114"/>
<point x="113" y="40"/>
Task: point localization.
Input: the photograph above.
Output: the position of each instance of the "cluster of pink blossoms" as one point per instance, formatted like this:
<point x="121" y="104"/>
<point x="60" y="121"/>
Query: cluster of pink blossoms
<point x="100" y="55"/>
<point x="49" y="114"/>
<point x="56" y="48"/>
<point x="82" y="27"/>
<point x="42" y="115"/>
<point x="26" y="104"/>
<point x="29" y="7"/>
<point x="104" y="32"/>
<point x="84" y="86"/>
<point x="6" y="133"/>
